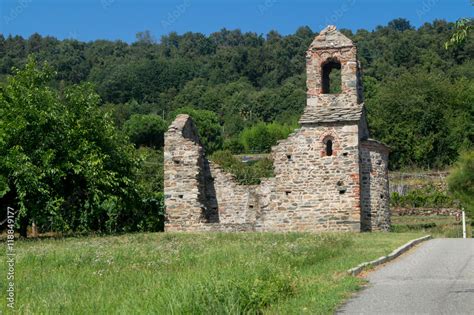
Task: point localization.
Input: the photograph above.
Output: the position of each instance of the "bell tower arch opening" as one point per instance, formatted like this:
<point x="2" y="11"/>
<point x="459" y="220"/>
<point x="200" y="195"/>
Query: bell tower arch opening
<point x="331" y="77"/>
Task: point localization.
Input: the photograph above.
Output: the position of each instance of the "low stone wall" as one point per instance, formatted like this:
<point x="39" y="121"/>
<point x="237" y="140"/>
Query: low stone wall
<point x="425" y="211"/>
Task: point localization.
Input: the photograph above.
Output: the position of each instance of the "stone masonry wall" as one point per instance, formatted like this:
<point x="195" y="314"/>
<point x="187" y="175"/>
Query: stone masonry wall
<point x="374" y="183"/>
<point x="183" y="164"/>
<point x="236" y="203"/>
<point x="200" y="196"/>
<point x="312" y="191"/>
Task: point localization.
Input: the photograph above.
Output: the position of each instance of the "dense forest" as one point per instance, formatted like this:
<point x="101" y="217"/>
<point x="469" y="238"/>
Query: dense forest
<point x="245" y="91"/>
<point x="419" y="95"/>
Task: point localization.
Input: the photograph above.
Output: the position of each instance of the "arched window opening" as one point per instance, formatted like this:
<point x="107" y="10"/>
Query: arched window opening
<point x="328" y="147"/>
<point x="331" y="77"/>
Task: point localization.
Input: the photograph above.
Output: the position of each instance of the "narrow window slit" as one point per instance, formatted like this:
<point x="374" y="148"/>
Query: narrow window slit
<point x="329" y="147"/>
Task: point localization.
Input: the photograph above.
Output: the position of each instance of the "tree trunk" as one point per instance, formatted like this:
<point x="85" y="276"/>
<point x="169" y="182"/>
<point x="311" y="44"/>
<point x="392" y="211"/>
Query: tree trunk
<point x="23" y="226"/>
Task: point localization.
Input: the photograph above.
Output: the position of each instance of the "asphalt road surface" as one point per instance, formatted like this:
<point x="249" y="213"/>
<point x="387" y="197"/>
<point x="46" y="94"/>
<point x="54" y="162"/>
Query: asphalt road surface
<point x="435" y="278"/>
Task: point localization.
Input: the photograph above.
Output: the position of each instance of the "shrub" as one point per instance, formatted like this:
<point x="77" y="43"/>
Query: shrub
<point x="245" y="173"/>
<point x="461" y="181"/>
<point x="428" y="196"/>
<point x="147" y="130"/>
<point x="234" y="146"/>
<point x="261" y="137"/>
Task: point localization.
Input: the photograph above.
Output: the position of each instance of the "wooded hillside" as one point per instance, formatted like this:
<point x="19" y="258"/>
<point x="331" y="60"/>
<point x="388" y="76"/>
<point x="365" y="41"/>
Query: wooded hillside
<point x="418" y="94"/>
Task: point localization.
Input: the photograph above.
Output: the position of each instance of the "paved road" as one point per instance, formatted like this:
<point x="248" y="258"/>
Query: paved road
<point x="435" y="278"/>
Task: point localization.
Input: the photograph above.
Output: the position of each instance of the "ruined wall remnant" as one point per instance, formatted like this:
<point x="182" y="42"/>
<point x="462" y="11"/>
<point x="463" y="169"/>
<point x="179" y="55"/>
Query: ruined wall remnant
<point x="199" y="194"/>
<point x="375" y="191"/>
<point x="329" y="176"/>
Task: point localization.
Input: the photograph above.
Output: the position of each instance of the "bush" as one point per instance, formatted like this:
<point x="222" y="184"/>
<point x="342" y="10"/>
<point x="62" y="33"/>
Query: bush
<point x="461" y="181"/>
<point x="261" y="137"/>
<point x="245" y="173"/>
<point x="147" y="130"/>
<point x="150" y="215"/>
<point x="234" y="146"/>
<point x="428" y="197"/>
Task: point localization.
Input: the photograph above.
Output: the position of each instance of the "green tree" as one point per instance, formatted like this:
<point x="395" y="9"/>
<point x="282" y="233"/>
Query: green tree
<point x="147" y="130"/>
<point x="150" y="180"/>
<point x="428" y="123"/>
<point x="461" y="181"/>
<point x="68" y="167"/>
<point x="261" y="137"/>
<point x="209" y="129"/>
<point x="463" y="28"/>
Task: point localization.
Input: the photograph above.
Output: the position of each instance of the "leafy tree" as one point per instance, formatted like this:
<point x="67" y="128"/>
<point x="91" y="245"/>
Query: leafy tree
<point x="150" y="180"/>
<point x="66" y="164"/>
<point x="461" y="181"/>
<point x="207" y="123"/>
<point x="145" y="38"/>
<point x="428" y="123"/>
<point x="399" y="25"/>
<point x="147" y="130"/>
<point x="463" y="27"/>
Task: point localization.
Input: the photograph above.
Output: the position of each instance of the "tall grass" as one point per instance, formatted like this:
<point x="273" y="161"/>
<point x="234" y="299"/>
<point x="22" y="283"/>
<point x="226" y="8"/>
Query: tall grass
<point x="201" y="273"/>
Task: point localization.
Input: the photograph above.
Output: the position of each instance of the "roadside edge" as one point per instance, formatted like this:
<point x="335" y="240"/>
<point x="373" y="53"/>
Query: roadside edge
<point x="397" y="252"/>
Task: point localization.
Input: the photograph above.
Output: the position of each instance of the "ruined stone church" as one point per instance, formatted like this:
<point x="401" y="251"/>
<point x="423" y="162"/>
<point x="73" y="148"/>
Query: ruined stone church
<point x="329" y="175"/>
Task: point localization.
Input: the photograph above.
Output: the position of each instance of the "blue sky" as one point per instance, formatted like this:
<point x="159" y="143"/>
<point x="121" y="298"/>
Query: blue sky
<point x="122" y="19"/>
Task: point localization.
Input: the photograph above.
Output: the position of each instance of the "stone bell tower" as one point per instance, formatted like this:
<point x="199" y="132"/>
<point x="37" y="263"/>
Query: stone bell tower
<point x="331" y="51"/>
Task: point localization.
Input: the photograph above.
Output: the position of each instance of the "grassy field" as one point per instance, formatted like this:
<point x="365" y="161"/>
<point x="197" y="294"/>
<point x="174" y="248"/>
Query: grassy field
<point x="165" y="273"/>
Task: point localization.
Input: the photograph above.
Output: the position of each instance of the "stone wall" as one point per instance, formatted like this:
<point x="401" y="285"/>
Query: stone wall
<point x="200" y="196"/>
<point x="374" y="186"/>
<point x="236" y="203"/>
<point x="183" y="174"/>
<point x="312" y="191"/>
<point x="426" y="211"/>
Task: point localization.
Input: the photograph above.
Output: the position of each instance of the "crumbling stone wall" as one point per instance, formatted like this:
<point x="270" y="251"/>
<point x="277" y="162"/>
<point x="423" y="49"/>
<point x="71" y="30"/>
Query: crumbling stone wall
<point x="200" y="196"/>
<point x="328" y="174"/>
<point x="183" y="176"/>
<point x="375" y="191"/>
<point x="236" y="203"/>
